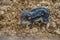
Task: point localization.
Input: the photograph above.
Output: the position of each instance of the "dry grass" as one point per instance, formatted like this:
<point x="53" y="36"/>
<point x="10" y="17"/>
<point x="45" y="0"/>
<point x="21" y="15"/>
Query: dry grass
<point x="9" y="16"/>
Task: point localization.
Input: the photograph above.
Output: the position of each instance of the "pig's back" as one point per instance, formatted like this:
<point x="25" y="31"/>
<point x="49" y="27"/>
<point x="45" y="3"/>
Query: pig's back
<point x="39" y="13"/>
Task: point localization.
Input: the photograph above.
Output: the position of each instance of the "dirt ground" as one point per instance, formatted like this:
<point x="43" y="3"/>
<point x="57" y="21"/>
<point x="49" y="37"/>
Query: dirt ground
<point x="9" y="17"/>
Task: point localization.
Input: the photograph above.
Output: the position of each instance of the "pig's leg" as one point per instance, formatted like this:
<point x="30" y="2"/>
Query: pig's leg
<point x="30" y="23"/>
<point x="46" y="23"/>
<point x="20" y="21"/>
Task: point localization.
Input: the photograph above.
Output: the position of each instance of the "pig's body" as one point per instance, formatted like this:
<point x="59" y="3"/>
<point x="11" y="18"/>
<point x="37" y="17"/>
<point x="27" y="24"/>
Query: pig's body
<point x="35" y="14"/>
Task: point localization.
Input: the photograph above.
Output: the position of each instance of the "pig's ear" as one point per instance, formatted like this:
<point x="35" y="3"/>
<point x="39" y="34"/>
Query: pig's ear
<point x="20" y="11"/>
<point x="27" y="13"/>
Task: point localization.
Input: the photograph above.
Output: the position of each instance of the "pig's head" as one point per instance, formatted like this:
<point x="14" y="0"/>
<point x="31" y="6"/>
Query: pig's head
<point x="24" y="14"/>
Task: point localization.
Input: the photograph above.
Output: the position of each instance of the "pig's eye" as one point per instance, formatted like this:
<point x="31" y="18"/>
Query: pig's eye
<point x="27" y="17"/>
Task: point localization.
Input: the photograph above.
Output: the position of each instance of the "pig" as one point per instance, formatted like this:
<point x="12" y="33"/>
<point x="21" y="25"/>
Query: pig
<point x="34" y="15"/>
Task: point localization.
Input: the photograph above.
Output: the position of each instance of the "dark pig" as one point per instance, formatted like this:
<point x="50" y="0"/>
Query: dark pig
<point x="35" y="14"/>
